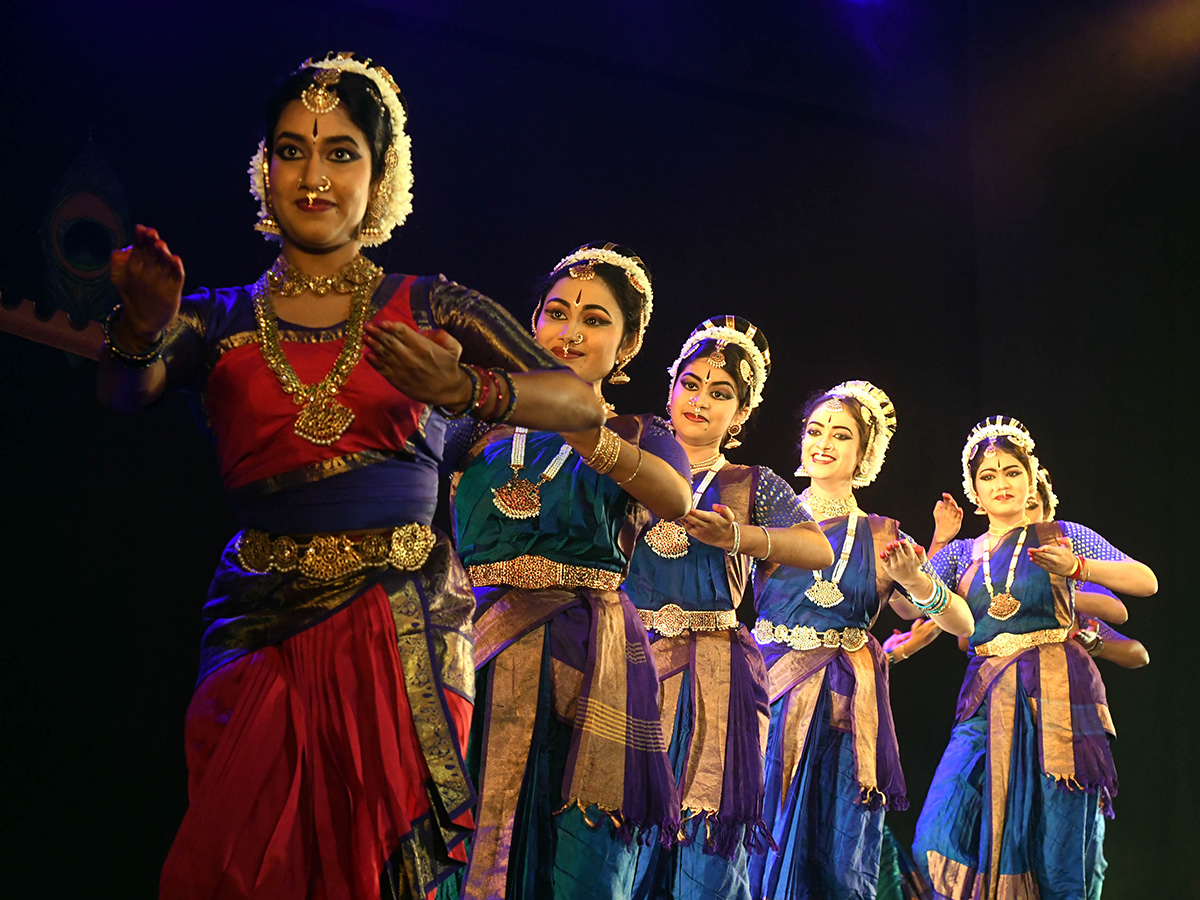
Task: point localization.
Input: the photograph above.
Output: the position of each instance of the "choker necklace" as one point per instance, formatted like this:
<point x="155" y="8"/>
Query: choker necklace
<point x="822" y="508"/>
<point x="519" y="498"/>
<point x="706" y="463"/>
<point x="1003" y="605"/>
<point x="286" y="280"/>
<point x="670" y="539"/>
<point x="322" y="420"/>
<point x="992" y="528"/>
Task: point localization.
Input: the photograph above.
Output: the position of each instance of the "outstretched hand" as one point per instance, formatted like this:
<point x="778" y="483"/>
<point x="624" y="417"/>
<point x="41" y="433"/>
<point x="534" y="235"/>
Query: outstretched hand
<point x="420" y="364"/>
<point x="713" y="528"/>
<point x="947" y="519"/>
<point x="149" y="278"/>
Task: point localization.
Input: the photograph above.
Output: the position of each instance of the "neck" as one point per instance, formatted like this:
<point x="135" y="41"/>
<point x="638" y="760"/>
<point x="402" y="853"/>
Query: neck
<point x="319" y="262"/>
<point x="697" y="453"/>
<point x="832" y="490"/>
<point x="1006" y="522"/>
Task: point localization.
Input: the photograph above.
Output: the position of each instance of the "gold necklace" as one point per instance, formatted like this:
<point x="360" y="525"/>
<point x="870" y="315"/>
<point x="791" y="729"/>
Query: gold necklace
<point x="1003" y="605"/>
<point x="287" y="281"/>
<point x="1003" y="531"/>
<point x="822" y="508"/>
<point x="827" y="594"/>
<point x="519" y="498"/>
<point x="323" y="420"/>
<point x="706" y="463"/>
<point x="670" y="539"/>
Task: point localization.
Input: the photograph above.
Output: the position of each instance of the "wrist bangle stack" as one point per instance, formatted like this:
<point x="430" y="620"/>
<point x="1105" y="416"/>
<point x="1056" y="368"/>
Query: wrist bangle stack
<point x="636" y="469"/>
<point x="512" y="396"/>
<point x="737" y="540"/>
<point x="124" y="357"/>
<point x="608" y="449"/>
<point x="935" y="604"/>
<point x="476" y="390"/>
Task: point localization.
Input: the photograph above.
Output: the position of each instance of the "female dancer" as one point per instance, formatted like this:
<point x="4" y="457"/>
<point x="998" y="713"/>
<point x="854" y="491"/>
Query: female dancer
<point x="1013" y="804"/>
<point x="687" y="580"/>
<point x="832" y="762"/>
<point x="567" y="742"/>
<point x="324" y="738"/>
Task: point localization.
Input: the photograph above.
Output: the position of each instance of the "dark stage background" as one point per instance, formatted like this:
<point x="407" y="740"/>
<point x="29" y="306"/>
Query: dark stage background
<point x="982" y="207"/>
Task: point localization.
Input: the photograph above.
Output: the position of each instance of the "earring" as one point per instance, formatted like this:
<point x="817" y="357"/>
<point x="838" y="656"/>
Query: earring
<point x="732" y="443"/>
<point x="619" y="375"/>
<point x="267" y="225"/>
<point x="980" y="511"/>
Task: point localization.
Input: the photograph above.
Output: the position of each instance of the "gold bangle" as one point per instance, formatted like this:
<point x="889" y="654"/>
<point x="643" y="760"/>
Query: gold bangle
<point x="608" y="450"/>
<point x="636" y="468"/>
<point x="767" y="535"/>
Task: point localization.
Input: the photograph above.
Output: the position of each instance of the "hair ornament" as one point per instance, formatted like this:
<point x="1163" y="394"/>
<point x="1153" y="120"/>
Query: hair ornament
<point x="726" y="330"/>
<point x="582" y="265"/>
<point x="392" y="200"/>
<point x="716" y="359"/>
<point x="1050" y="507"/>
<point x="881" y="425"/>
<point x="317" y="97"/>
<point x="984" y="436"/>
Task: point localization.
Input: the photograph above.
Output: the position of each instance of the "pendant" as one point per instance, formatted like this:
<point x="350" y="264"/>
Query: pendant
<point x="323" y="420"/>
<point x="518" y="498"/>
<point x="668" y="539"/>
<point x="1003" y="606"/>
<point x="825" y="594"/>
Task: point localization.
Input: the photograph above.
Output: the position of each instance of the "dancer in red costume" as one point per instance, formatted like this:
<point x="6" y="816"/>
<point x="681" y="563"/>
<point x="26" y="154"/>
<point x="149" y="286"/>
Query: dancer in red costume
<point x="325" y="738"/>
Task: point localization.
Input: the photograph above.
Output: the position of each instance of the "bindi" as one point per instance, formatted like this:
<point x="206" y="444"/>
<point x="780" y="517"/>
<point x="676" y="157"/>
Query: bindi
<point x="314" y="129"/>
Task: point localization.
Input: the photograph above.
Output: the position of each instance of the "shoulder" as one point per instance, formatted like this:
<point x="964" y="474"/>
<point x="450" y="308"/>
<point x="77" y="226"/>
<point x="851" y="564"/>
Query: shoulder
<point x="634" y="426"/>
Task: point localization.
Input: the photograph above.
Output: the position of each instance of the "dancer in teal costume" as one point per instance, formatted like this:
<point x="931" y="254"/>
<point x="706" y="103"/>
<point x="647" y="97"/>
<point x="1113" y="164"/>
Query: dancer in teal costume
<point x="832" y="764"/>
<point x="1013" y="808"/>
<point x="687" y="579"/>
<point x="566" y="745"/>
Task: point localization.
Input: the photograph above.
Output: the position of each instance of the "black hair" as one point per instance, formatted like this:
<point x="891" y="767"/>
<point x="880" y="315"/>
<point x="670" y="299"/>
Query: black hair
<point x="357" y="93"/>
<point x="630" y="300"/>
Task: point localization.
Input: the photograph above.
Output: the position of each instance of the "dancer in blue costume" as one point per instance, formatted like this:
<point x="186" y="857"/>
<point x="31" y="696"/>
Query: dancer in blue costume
<point x="687" y="579"/>
<point x="566" y="744"/>
<point x="1012" y="810"/>
<point x="832" y="764"/>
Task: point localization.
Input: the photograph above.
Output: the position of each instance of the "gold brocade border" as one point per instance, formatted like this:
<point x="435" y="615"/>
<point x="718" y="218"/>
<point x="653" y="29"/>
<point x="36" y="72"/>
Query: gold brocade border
<point x="507" y="738"/>
<point x="794" y="667"/>
<point x="669" y="690"/>
<point x="512" y="615"/>
<point x="314" y="472"/>
<point x="703" y="778"/>
<point x="566" y="681"/>
<point x="438" y="738"/>
<point x="950" y="878"/>
<point x="797" y="716"/>
<point x="866" y="719"/>
<point x="1054" y="712"/>
<point x="1001" y="719"/>
<point x="598" y="766"/>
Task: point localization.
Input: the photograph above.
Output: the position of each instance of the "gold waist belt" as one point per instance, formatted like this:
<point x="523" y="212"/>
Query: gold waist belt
<point x="325" y="557"/>
<point x="534" y="573"/>
<point x="673" y="619"/>
<point x="1007" y="644"/>
<point x="805" y="637"/>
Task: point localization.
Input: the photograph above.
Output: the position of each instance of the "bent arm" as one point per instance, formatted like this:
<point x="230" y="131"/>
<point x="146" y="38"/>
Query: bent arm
<point x="1127" y="576"/>
<point x="646" y="477"/>
<point x="801" y="546"/>
<point x="1101" y="605"/>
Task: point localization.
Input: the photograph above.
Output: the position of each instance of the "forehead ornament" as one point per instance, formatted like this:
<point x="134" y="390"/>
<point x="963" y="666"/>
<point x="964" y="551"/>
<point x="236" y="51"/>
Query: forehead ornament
<point x="990" y="450"/>
<point x="317" y="97"/>
<point x="833" y="404"/>
<point x="585" y="271"/>
<point x="716" y="359"/>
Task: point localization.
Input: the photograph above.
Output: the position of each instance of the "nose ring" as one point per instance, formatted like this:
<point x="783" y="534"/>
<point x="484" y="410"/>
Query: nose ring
<point x="311" y="193"/>
<point x="578" y="339"/>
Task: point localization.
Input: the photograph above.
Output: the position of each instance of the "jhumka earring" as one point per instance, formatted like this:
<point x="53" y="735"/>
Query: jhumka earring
<point x="619" y="375"/>
<point x="267" y="225"/>
<point x="734" y="430"/>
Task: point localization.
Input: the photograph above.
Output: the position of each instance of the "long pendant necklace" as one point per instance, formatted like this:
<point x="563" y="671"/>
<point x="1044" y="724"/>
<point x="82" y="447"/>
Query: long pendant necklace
<point x="1003" y="605"/>
<point x="323" y="419"/>
<point x="827" y="594"/>
<point x="519" y="498"/>
<point x="670" y="539"/>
